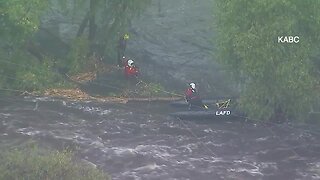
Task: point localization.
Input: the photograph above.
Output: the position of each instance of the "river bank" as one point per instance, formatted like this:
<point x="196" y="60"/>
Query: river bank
<point x="87" y="86"/>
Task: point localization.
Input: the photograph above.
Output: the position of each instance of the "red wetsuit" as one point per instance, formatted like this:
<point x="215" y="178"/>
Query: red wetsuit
<point x="131" y="71"/>
<point x="193" y="98"/>
<point x="191" y="94"/>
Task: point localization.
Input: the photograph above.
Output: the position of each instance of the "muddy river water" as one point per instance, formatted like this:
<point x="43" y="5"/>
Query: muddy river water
<point x="140" y="141"/>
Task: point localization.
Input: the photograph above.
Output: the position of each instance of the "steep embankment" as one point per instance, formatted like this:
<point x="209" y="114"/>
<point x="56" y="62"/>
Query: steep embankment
<point x="173" y="42"/>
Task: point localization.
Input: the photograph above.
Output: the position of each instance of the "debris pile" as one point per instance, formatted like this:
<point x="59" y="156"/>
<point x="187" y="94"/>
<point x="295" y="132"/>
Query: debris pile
<point x="89" y="76"/>
<point x="84" y="77"/>
<point x="78" y="95"/>
<point x="75" y="94"/>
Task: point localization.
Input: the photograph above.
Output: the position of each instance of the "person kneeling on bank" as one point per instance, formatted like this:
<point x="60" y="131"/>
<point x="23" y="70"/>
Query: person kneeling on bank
<point x="130" y="70"/>
<point x="193" y="98"/>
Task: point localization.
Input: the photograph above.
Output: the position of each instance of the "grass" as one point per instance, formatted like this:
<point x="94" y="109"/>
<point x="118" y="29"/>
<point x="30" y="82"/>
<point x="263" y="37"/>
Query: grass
<point x="33" y="163"/>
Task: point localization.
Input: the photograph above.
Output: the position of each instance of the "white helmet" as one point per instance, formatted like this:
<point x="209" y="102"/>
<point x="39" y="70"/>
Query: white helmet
<point x="130" y="62"/>
<point x="192" y="85"/>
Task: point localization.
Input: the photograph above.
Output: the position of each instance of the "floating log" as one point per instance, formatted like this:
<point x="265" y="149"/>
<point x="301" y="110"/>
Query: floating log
<point x="148" y="99"/>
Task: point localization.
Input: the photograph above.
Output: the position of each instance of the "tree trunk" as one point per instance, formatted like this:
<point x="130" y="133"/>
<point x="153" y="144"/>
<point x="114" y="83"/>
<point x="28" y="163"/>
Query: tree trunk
<point x="83" y="25"/>
<point x="92" y="24"/>
<point x="34" y="50"/>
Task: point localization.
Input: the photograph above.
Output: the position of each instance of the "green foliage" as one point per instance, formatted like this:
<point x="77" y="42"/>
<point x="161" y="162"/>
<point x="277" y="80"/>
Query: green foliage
<point x="152" y="89"/>
<point x="143" y="89"/>
<point x="19" y="19"/>
<point x="40" y="78"/>
<point x="112" y="18"/>
<point x="115" y="20"/>
<point x="274" y="75"/>
<point x="34" y="163"/>
<point x="78" y="55"/>
<point x="24" y="72"/>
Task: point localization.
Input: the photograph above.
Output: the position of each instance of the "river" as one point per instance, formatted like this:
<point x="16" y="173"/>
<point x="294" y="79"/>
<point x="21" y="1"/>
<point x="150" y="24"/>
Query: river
<point x="140" y="141"/>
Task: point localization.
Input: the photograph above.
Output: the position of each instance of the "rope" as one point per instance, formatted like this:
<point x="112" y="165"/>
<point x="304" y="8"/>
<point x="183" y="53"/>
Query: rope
<point x="103" y="85"/>
<point x="180" y="120"/>
<point x="148" y="85"/>
<point x="136" y="109"/>
<point x="164" y="91"/>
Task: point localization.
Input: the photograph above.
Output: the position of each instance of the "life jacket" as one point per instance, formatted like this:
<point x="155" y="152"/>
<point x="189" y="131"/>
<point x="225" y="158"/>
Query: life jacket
<point x="191" y="94"/>
<point x="131" y="71"/>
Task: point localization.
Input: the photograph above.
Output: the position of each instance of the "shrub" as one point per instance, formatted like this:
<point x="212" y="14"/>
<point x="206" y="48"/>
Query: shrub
<point x="34" y="163"/>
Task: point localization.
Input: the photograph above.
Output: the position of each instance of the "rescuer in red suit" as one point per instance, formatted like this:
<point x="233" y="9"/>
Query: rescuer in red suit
<point x="130" y="70"/>
<point x="193" y="98"/>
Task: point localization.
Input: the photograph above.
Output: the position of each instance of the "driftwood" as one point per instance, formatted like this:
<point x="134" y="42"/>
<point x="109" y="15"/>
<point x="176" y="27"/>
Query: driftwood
<point x="148" y="99"/>
<point x="82" y="79"/>
<point x="79" y="95"/>
<point x="136" y="99"/>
